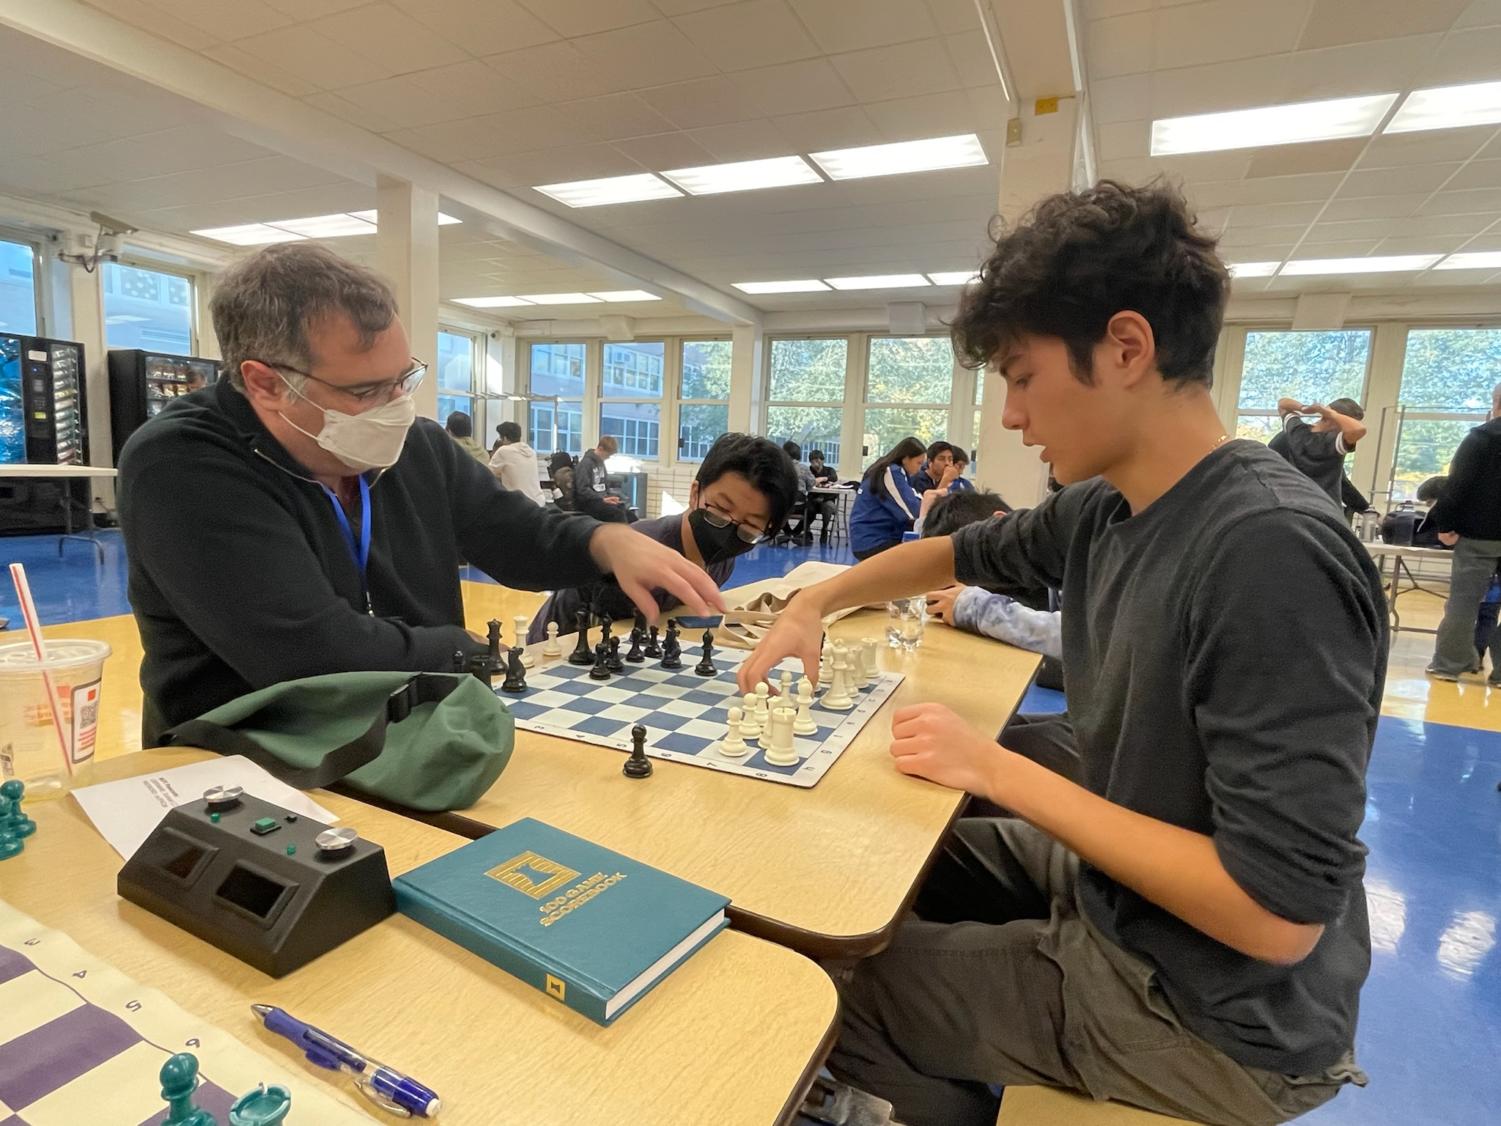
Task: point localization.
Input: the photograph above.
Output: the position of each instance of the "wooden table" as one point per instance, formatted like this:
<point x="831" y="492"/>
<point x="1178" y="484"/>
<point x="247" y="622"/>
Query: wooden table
<point x="734" y="1035"/>
<point x="829" y="870"/>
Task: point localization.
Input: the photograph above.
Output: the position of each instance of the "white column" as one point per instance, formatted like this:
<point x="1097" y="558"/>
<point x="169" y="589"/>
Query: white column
<point x="1370" y="468"/>
<point x="1006" y="466"/>
<point x="203" y="295"/>
<point x="407" y="256"/>
<point x="85" y="324"/>
<point x="747" y="352"/>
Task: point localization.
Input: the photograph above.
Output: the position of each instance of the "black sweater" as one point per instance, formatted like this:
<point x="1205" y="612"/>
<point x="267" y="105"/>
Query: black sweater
<point x="1471" y="501"/>
<point x="240" y="575"/>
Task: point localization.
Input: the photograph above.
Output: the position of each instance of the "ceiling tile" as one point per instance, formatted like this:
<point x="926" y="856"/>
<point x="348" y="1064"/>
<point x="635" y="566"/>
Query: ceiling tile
<point x="955" y="16"/>
<point x="1374" y="207"/>
<point x="706" y="101"/>
<point x="482" y="27"/>
<point x="1269" y="189"/>
<point x="1293" y="160"/>
<point x="154" y="154"/>
<point x="1127" y="97"/>
<point x="394" y="103"/>
<point x="1384" y="228"/>
<point x="1477" y="174"/>
<point x="751" y="34"/>
<point x="1275" y="214"/>
<point x="1420" y="244"/>
<point x="1395" y="150"/>
<point x="345" y="110"/>
<point x="1121" y="45"/>
<point x="324" y="63"/>
<point x="1463" y="203"/>
<point x="1469" y="57"/>
<point x="223" y="19"/>
<point x="1259" y="236"/>
<point x="390" y="37"/>
<point x="902" y="71"/>
<point x="223" y="183"/>
<point x="972" y="59"/>
<point x="553" y="166"/>
<point x="645" y="54"/>
<point x="742" y="140"/>
<point x="1480" y="13"/>
<point x="1221" y="30"/>
<point x="665" y="150"/>
<point x="262" y="70"/>
<point x="1104" y="9"/>
<point x="612" y="117"/>
<point x="836" y="28"/>
<point x="151" y="18"/>
<point x="846" y="127"/>
<point x="1123" y="139"/>
<point x="799" y="87"/>
<point x="1334" y="22"/>
<point x="683" y="7"/>
<point x="1396" y="181"/>
<point x="932" y="115"/>
<point x="571" y="18"/>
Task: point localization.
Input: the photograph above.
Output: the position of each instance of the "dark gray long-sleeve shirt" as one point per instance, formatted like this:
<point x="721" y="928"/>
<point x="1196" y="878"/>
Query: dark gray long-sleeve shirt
<point x="1224" y="653"/>
<point x="240" y="576"/>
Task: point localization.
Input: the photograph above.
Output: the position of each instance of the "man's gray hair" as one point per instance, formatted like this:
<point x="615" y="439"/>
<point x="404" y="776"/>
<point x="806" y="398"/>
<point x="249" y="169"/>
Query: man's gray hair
<point x="265" y="303"/>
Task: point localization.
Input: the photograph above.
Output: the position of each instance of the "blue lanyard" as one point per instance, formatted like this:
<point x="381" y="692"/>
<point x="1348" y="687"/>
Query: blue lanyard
<point x="359" y="550"/>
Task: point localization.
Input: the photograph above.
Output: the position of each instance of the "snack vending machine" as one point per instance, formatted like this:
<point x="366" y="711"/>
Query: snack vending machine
<point x="142" y="383"/>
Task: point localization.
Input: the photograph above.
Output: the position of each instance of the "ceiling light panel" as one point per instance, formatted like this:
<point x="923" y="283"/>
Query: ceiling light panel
<point x="370" y="217"/>
<point x="801" y="285"/>
<point x="326" y="226"/>
<point x="559" y="299"/>
<point x="1448" y="107"/>
<point x="1388" y="264"/>
<point x="491" y="302"/>
<point x="744" y="175"/>
<point x="611" y="189"/>
<point x="1475" y="260"/>
<point x="954" y="277"/>
<point x="625" y="295"/>
<point x="879" y="281"/>
<point x="962" y="151"/>
<point x="1252" y="269"/>
<point x="1270" y="125"/>
<point x="248" y="234"/>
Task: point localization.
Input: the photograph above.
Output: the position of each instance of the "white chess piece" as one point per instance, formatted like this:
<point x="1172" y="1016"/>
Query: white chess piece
<point x="869" y="669"/>
<point x="837" y="698"/>
<point x="733" y="745"/>
<point x="763" y="703"/>
<point x="804" y="724"/>
<point x="786" y="685"/>
<point x="779" y="750"/>
<point x="551" y="648"/>
<point x="527" y="660"/>
<point x="750" y="726"/>
<point x="825" y="665"/>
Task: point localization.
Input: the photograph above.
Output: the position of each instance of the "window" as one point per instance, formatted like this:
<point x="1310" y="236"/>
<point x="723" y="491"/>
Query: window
<point x="704" y="396"/>
<point x="1312" y="367"/>
<point x="630" y="396"/>
<point x="1447" y="377"/>
<point x="557" y="370"/>
<point x="974" y="435"/>
<point x="18" y="304"/>
<point x="806" y="394"/>
<point x="147" y="309"/>
<point x="455" y="372"/>
<point x="917" y="372"/>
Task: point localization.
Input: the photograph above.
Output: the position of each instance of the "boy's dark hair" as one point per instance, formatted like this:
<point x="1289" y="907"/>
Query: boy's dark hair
<point x="1431" y="489"/>
<point x="954" y="511"/>
<point x="937" y="448"/>
<point x="508" y="432"/>
<point x="875" y="476"/>
<point x="460" y="425"/>
<point x="792" y="450"/>
<point x="1349" y="408"/>
<point x="762" y="462"/>
<point x="815" y="453"/>
<point x="1079" y="258"/>
<point x="961" y="456"/>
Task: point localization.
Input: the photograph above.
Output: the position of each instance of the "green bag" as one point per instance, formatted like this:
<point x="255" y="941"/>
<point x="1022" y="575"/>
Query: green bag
<point x="428" y="741"/>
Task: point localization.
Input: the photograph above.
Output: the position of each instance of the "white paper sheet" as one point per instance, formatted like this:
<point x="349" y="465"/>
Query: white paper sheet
<point x="126" y="811"/>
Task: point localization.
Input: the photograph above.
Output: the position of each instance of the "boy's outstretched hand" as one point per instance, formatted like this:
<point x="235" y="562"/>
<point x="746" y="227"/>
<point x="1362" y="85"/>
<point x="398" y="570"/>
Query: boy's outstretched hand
<point x="796" y="633"/>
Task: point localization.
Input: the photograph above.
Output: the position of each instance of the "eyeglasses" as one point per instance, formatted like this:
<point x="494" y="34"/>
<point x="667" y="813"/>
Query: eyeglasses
<point x="380" y="391"/>
<point x="718" y="518"/>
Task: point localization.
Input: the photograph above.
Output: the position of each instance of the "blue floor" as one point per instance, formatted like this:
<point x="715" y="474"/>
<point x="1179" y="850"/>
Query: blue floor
<point x="1430" y="1023"/>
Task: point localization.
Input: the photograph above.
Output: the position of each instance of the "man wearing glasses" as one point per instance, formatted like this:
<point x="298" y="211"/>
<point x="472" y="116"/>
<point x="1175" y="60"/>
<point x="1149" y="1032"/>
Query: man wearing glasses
<point x="296" y="517"/>
<point x="744" y="487"/>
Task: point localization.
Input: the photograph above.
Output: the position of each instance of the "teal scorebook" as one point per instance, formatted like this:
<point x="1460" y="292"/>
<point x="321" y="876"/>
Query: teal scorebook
<point x="587" y="926"/>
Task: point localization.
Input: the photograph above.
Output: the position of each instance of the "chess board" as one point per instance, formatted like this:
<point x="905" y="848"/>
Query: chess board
<point x="685" y="715"/>
<point x="82" y="1043"/>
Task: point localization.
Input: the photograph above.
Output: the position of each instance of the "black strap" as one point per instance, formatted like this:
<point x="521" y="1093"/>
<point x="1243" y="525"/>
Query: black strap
<point x="423" y="688"/>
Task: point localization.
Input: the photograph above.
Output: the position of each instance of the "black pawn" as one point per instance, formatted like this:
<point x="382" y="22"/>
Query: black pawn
<point x="606" y="624"/>
<point x="582" y="653"/>
<point x="615" y="663"/>
<point x="515" y="673"/>
<point x="672" y="652"/>
<point x="638" y="765"/>
<point x="635" y="656"/>
<point x="653" y="646"/>
<point x="601" y="669"/>
<point x="705" y="666"/>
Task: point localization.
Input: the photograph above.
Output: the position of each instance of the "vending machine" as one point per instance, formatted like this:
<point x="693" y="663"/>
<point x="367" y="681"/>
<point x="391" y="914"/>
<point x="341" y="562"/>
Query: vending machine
<point x="43" y="421"/>
<point x="142" y="383"/>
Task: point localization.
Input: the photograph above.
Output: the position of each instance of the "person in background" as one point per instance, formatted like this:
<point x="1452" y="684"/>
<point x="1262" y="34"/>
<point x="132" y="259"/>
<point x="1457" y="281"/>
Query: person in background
<point x="939" y="456"/>
<point x="560" y="471"/>
<point x="460" y="428"/>
<point x="961" y="483"/>
<point x="803" y="533"/>
<point x="591" y="494"/>
<point x="1318" y="450"/>
<point x="744" y="487"/>
<point x="515" y="464"/>
<point x="886" y="506"/>
<point x="823" y="473"/>
<point x="1467" y="517"/>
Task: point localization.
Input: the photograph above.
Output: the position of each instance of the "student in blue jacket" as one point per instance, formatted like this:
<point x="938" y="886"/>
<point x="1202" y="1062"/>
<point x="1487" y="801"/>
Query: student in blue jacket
<point x="886" y="505"/>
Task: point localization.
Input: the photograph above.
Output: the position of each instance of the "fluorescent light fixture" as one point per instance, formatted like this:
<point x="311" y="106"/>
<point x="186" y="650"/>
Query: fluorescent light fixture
<point x="960" y="151"/>
<point x="559" y="299"/>
<point x="491" y="302"/>
<point x="1387" y="264"/>
<point x="802" y="285"/>
<point x="370" y="217"/>
<point x="611" y="189"/>
<point x="1270" y="125"/>
<point x="625" y="295"/>
<point x="954" y="277"/>
<point x="325" y="226"/>
<point x="1448" y="107"/>
<point x="248" y="234"/>
<point x="1252" y="269"/>
<point x="879" y="281"/>
<point x="1475" y="260"/>
<point x="744" y="175"/>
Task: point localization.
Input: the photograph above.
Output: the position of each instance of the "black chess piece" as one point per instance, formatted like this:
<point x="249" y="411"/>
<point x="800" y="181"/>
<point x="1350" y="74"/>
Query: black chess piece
<point x="606" y="625"/>
<point x="601" y="669"/>
<point x="515" y="674"/>
<point x="494" y="639"/>
<point x="638" y="765"/>
<point x="705" y="666"/>
<point x="460" y="661"/>
<point x="583" y="653"/>
<point x="635" y="656"/>
<point x="615" y="663"/>
<point x="672" y="652"/>
<point x="483" y="668"/>
<point x="639" y="622"/>
<point x="653" y="646"/>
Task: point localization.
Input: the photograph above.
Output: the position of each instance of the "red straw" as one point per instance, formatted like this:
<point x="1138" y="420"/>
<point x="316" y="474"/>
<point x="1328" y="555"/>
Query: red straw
<point x="34" y="629"/>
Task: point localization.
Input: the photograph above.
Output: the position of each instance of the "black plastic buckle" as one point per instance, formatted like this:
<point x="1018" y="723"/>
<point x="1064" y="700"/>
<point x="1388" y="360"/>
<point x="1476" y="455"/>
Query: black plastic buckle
<point x="400" y="703"/>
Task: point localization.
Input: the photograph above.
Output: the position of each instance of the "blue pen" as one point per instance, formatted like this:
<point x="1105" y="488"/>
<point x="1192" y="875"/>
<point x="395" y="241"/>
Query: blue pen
<point x="382" y="1085"/>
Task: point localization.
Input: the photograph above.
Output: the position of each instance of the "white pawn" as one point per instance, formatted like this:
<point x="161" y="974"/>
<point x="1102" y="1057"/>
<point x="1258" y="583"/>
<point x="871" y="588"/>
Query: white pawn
<point x="826" y="665"/>
<point x="551" y="648"/>
<point x="837" y="698"/>
<point x="786" y="685"/>
<point x="804" y="724"/>
<point x="750" y="728"/>
<point x="527" y="660"/>
<point x="869" y="669"/>
<point x="779" y="750"/>
<point x="733" y="745"/>
<point x="763" y="704"/>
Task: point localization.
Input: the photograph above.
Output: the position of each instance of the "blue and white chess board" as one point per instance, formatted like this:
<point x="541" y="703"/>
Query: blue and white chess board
<point x="685" y="715"/>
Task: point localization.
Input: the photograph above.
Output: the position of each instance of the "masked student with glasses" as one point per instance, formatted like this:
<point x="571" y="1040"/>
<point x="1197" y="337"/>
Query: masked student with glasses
<point x="744" y="489"/>
<point x="297" y="518"/>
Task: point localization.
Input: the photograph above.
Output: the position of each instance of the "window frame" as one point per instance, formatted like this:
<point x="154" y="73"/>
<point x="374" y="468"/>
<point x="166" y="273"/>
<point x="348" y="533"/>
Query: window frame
<point x="867" y="404"/>
<point x="1238" y="412"/>
<point x="192" y="277"/>
<point x="679" y="402"/>
<point x="524" y="350"/>
<point x="840" y="407"/>
<point x="40" y="288"/>
<point x="474" y="395"/>
<point x="661" y="399"/>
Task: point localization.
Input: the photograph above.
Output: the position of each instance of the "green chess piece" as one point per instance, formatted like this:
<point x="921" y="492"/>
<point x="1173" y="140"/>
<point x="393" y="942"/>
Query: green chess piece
<point x="179" y="1076"/>
<point x="10" y="841"/>
<point x="264" y="1106"/>
<point x="15" y="790"/>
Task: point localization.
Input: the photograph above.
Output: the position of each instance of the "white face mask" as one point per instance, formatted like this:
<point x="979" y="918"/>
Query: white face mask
<point x="370" y="440"/>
